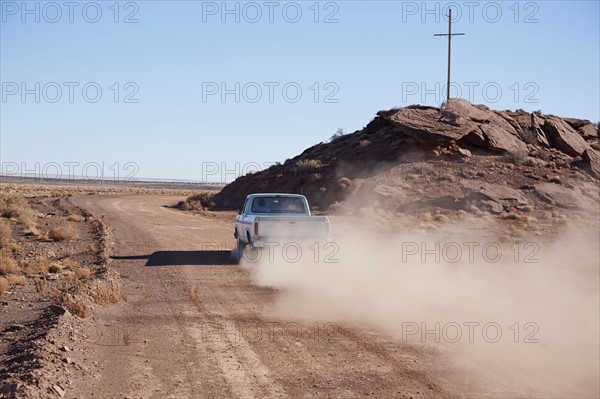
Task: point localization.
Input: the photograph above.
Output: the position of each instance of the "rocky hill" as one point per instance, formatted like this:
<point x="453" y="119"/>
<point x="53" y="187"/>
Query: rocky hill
<point x="456" y="157"/>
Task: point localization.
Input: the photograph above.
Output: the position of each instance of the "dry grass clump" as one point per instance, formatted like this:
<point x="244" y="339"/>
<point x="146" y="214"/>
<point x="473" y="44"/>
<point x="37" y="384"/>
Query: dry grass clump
<point x="307" y="164"/>
<point x="17" y="280"/>
<point x="41" y="287"/>
<point x="527" y="208"/>
<point x="198" y="202"/>
<point x="4" y="284"/>
<point x="6" y="237"/>
<point x="62" y="233"/>
<point x="106" y="292"/>
<point x="517" y="216"/>
<point x="83" y="273"/>
<point x="75" y="218"/>
<point x="529" y="136"/>
<point x="80" y="272"/>
<point x="440" y="217"/>
<point x="77" y="304"/>
<point x="39" y="265"/>
<point x="345" y="184"/>
<point x="11" y="206"/>
<point x="127" y="335"/>
<point x="191" y="291"/>
<point x="17" y="207"/>
<point x="8" y="265"/>
<point x="315" y="178"/>
<point x="426" y="217"/>
<point x="70" y="294"/>
<point x="516" y="157"/>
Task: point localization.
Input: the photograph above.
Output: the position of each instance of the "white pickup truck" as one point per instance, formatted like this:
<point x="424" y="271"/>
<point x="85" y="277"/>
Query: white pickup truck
<point x="277" y="219"/>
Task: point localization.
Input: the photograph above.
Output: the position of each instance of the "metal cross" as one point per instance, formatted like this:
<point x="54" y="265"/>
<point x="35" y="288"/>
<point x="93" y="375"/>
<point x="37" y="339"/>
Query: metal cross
<point x="449" y="35"/>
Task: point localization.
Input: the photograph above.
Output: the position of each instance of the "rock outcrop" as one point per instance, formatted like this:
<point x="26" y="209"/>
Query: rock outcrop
<point x="328" y="173"/>
<point x="590" y="161"/>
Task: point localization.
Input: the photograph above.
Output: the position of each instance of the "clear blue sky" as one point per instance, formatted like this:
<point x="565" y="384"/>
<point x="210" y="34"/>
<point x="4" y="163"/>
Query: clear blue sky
<point x="179" y="55"/>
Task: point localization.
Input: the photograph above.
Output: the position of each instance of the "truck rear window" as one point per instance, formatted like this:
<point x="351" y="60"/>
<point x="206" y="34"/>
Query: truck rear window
<point x="278" y="205"/>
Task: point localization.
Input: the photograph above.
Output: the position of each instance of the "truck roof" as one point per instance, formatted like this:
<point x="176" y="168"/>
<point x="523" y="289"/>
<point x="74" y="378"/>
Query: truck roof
<point x="275" y="195"/>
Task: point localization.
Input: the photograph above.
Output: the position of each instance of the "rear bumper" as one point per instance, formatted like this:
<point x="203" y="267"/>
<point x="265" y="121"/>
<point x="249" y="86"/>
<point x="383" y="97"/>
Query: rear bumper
<point x="304" y="242"/>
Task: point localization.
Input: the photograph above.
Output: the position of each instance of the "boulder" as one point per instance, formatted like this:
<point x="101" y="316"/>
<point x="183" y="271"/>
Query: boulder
<point x="590" y="161"/>
<point x="499" y="139"/>
<point x="503" y="195"/>
<point x="562" y="197"/>
<point x="506" y="115"/>
<point x="562" y="137"/>
<point x="426" y="125"/>
<point x="461" y="110"/>
<point x="584" y="127"/>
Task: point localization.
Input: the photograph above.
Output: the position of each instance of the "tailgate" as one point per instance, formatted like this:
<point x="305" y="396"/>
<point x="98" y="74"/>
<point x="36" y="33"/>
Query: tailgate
<point x="298" y="227"/>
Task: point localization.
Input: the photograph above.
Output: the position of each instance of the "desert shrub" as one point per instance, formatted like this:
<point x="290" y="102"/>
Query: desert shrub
<point x="5" y="234"/>
<point x="426" y="217"/>
<point x="198" y="202"/>
<point x="62" y="233"/>
<point x="10" y="206"/>
<point x="37" y="265"/>
<point x="40" y="286"/>
<point x="528" y="136"/>
<point x="127" y="335"/>
<point x="70" y="264"/>
<point x="16" y="206"/>
<point x="191" y="291"/>
<point x="4" y="284"/>
<point x="105" y="292"/>
<point x="440" y="217"/>
<point x="17" y="280"/>
<point x="205" y="198"/>
<point x="516" y="157"/>
<point x="75" y="218"/>
<point x="339" y="133"/>
<point x="8" y="265"/>
<point x="315" y="178"/>
<point x="6" y="237"/>
<point x="345" y="183"/>
<point x="83" y="273"/>
<point x="80" y="272"/>
<point x="307" y="165"/>
<point x="77" y="304"/>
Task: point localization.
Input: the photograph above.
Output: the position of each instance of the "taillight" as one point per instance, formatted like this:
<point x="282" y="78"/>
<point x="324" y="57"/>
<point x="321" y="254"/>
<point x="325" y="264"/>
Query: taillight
<point x="255" y="228"/>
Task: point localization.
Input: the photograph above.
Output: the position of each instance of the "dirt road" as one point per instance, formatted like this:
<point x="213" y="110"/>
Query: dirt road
<point x="194" y="325"/>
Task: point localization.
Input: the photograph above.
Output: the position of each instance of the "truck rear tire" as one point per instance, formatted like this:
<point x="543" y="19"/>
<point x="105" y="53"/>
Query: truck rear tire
<point x="238" y="252"/>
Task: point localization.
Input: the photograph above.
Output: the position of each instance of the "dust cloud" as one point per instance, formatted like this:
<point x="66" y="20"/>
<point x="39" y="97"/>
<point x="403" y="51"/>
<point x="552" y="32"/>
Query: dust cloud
<point x="509" y="319"/>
